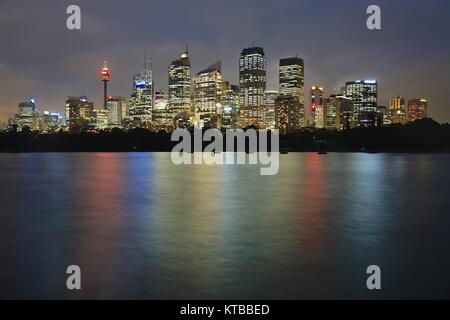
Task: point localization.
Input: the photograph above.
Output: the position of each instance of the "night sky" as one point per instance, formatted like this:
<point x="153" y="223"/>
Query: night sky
<point x="40" y="58"/>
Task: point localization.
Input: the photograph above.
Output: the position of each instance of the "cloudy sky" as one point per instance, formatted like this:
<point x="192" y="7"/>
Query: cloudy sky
<point x="40" y="58"/>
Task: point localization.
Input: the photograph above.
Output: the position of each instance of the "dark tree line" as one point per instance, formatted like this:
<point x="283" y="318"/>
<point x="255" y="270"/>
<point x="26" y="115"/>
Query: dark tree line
<point x="423" y="136"/>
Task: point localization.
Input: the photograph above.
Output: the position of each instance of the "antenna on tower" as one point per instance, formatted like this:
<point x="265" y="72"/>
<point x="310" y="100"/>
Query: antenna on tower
<point x="145" y="60"/>
<point x="148" y="62"/>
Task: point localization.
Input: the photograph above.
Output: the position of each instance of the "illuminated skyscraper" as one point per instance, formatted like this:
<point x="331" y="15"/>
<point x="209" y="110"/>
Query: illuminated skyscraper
<point x="50" y="122"/>
<point x="180" y="86"/>
<point x="345" y="117"/>
<point x="385" y="114"/>
<point x="252" y="86"/>
<point x="287" y="114"/>
<point x="27" y="115"/>
<point x="291" y="77"/>
<point x="117" y="111"/>
<point x="269" y="109"/>
<point x="230" y="105"/>
<point x="141" y="100"/>
<point x="161" y="116"/>
<point x="80" y="113"/>
<point x="417" y="109"/>
<point x="330" y="111"/>
<point x="364" y="95"/>
<point x="100" y="119"/>
<point x="317" y="107"/>
<point x="208" y="95"/>
<point x="397" y="110"/>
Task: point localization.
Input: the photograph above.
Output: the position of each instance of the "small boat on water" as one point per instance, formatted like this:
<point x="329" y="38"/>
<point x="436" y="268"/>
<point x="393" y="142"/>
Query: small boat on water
<point x="322" y="152"/>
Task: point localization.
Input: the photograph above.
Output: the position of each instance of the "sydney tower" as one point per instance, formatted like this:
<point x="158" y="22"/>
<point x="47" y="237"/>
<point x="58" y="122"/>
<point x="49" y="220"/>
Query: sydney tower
<point x="105" y="78"/>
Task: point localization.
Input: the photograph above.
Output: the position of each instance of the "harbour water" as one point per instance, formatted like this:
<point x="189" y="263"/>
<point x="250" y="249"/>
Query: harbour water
<point x="141" y="227"/>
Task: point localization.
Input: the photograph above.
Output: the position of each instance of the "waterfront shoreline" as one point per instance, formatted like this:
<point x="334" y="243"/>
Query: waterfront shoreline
<point x="422" y="136"/>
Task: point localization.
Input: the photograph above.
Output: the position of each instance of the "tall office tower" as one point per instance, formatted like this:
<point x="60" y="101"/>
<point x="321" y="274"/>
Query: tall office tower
<point x="80" y="112"/>
<point x="252" y="86"/>
<point x="345" y="118"/>
<point x="141" y="100"/>
<point x="27" y="116"/>
<point x="161" y="117"/>
<point x="417" y="109"/>
<point x="100" y="119"/>
<point x="105" y="76"/>
<point x="317" y="107"/>
<point x="384" y="114"/>
<point x="208" y="96"/>
<point x="292" y="82"/>
<point x="269" y="109"/>
<point x="364" y="95"/>
<point x="230" y="105"/>
<point x="287" y="114"/>
<point x="117" y="111"/>
<point x="180" y="87"/>
<point x="330" y="111"/>
<point x="397" y="110"/>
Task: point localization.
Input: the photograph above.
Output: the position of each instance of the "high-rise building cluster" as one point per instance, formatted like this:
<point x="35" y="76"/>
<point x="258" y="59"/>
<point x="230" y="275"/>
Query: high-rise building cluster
<point x="29" y="117"/>
<point x="205" y="99"/>
<point x="402" y="113"/>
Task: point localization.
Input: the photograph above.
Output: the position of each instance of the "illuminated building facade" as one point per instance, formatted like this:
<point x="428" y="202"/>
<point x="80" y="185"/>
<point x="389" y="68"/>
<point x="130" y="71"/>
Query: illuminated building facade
<point x="80" y="112"/>
<point x="320" y="116"/>
<point x="252" y="86"/>
<point x="287" y="114"/>
<point x="397" y="110"/>
<point x="292" y="82"/>
<point x="208" y="96"/>
<point x="330" y="111"/>
<point x="27" y="116"/>
<point x="180" y="87"/>
<point x="385" y="114"/>
<point x="141" y="100"/>
<point x="345" y="117"/>
<point x="417" y="109"/>
<point x="117" y="108"/>
<point x="100" y="119"/>
<point x="50" y="122"/>
<point x="269" y="109"/>
<point x="230" y="105"/>
<point x="364" y="96"/>
<point x="161" y="117"/>
<point x="317" y="107"/>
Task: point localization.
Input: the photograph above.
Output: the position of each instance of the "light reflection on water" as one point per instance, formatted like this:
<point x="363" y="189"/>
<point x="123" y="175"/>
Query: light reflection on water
<point x="141" y="227"/>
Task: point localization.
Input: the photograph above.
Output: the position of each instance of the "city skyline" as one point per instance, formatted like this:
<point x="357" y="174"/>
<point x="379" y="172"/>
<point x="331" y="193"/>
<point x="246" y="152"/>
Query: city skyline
<point x="206" y="99"/>
<point x="70" y="67"/>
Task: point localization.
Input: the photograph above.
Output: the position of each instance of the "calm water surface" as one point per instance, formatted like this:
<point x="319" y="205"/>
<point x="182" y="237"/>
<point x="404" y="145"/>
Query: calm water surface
<point x="141" y="227"/>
